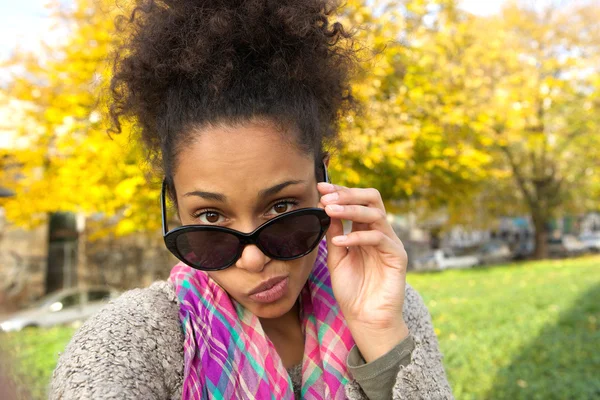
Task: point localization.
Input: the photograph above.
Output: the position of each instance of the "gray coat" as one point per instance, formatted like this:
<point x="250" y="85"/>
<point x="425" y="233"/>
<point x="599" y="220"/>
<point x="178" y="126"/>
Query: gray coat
<point x="133" y="349"/>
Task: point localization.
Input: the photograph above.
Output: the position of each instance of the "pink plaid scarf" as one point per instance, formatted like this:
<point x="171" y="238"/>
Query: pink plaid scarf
<point x="228" y="356"/>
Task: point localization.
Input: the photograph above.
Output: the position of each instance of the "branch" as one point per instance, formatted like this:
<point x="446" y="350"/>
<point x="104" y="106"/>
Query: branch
<point x="568" y="140"/>
<point x="542" y="130"/>
<point x="519" y="177"/>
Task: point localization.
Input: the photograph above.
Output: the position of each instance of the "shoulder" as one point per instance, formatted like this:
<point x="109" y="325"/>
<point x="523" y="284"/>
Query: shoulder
<point x="415" y="311"/>
<point x="424" y="376"/>
<point x="132" y="348"/>
<point x="418" y="319"/>
<point x="150" y="314"/>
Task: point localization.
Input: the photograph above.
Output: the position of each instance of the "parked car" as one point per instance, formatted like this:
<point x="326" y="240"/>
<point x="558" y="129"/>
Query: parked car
<point x="445" y="259"/>
<point x="523" y="249"/>
<point x="591" y="241"/>
<point x="565" y="246"/>
<point x="62" y="307"/>
<point x="494" y="252"/>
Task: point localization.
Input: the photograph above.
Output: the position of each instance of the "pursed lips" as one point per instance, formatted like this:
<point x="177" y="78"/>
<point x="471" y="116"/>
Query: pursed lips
<point x="268" y="284"/>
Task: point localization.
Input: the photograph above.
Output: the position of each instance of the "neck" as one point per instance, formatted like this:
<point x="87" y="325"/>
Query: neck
<point x="285" y="325"/>
<point x="286" y="335"/>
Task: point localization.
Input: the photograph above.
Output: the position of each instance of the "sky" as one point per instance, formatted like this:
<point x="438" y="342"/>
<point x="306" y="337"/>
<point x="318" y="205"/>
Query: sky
<point x="482" y="7"/>
<point x="22" y="22"/>
<point x="25" y="22"/>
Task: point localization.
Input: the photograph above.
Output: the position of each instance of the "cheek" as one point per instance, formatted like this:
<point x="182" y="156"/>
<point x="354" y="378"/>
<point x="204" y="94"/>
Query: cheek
<point x="302" y="267"/>
<point x="228" y="280"/>
<point x="316" y="196"/>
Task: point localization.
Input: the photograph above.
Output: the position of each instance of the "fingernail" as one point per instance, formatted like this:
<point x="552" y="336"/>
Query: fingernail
<point x="340" y="239"/>
<point x="330" y="197"/>
<point x="325" y="186"/>
<point x="334" y="207"/>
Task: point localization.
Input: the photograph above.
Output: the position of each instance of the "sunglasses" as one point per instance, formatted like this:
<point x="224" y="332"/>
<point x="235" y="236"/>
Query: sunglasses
<point x="211" y="248"/>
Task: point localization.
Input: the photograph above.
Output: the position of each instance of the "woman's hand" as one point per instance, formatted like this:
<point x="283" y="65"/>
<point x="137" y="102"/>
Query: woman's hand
<point x="367" y="267"/>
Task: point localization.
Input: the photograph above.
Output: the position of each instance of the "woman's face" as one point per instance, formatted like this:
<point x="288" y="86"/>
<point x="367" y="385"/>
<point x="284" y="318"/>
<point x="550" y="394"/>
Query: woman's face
<point x="240" y="177"/>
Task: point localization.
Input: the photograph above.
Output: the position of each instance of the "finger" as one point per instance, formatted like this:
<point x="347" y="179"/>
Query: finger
<point x="343" y="195"/>
<point x="326" y="187"/>
<point x="373" y="217"/>
<point x="335" y="253"/>
<point x="373" y="238"/>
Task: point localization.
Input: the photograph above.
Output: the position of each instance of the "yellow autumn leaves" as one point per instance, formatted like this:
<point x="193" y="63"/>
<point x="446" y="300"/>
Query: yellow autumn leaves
<point x="445" y="95"/>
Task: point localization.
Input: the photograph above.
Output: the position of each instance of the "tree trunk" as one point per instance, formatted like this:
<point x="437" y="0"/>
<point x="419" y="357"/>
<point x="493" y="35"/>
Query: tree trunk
<point x="62" y="252"/>
<point x="539" y="222"/>
<point x="81" y="269"/>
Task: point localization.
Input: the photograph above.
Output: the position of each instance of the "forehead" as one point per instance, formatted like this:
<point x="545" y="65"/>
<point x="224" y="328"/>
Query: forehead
<point x="240" y="160"/>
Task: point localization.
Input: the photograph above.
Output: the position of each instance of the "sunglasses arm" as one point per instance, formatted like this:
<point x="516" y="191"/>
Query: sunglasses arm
<point x="325" y="174"/>
<point x="163" y="208"/>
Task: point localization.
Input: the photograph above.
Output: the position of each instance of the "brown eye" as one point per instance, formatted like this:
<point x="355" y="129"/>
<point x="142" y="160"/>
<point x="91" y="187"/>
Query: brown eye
<point x="212" y="217"/>
<point x="280" y="208"/>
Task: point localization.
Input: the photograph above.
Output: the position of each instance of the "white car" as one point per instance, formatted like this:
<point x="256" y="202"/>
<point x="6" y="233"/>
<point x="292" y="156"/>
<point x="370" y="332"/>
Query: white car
<point x="62" y="307"/>
<point x="591" y="241"/>
<point x="494" y="252"/>
<point x="565" y="246"/>
<point x="445" y="259"/>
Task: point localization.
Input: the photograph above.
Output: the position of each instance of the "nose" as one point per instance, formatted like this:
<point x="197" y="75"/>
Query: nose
<point x="252" y="259"/>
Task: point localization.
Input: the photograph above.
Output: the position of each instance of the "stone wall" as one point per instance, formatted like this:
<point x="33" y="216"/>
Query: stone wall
<point x="123" y="263"/>
<point x="22" y="265"/>
<point x="127" y="262"/>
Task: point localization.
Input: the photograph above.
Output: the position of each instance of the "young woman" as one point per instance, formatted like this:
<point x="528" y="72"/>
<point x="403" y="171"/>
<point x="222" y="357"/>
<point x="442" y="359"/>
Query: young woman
<point x="236" y="101"/>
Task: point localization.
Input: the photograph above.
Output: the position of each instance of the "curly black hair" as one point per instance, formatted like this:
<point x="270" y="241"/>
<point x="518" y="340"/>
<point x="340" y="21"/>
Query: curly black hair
<point x="186" y="64"/>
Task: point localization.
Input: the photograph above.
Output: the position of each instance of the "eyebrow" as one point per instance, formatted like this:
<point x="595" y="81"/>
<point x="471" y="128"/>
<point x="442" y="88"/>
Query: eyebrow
<point x="263" y="193"/>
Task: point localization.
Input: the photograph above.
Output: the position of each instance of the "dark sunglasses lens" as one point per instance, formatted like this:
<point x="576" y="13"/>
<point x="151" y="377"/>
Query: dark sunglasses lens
<point x="291" y="236"/>
<point x="207" y="249"/>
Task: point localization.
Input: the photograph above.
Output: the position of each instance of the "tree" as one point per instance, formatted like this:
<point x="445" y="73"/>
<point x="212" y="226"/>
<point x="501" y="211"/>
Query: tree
<point x="535" y="74"/>
<point x="70" y="163"/>
<point x="410" y="139"/>
<point x="510" y="105"/>
<point x="454" y="108"/>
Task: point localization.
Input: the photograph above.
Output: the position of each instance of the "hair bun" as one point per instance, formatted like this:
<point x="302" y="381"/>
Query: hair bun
<point x="191" y="62"/>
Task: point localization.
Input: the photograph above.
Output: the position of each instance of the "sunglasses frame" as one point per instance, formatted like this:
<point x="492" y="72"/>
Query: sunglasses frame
<point x="170" y="237"/>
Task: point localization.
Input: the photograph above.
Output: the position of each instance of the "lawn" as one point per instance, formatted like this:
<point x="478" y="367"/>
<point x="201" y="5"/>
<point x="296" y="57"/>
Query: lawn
<point x="521" y="331"/>
<point x="36" y="352"/>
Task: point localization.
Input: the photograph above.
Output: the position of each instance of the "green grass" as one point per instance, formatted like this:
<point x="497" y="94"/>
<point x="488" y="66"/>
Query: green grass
<point x="522" y="331"/>
<point x="35" y="352"/>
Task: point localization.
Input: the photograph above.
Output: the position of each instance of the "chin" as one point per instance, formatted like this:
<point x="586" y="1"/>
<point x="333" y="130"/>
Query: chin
<point x="273" y="310"/>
